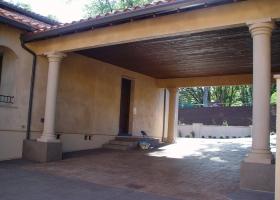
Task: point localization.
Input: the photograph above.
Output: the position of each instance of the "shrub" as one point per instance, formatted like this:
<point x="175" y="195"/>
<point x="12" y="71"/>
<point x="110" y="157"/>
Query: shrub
<point x="203" y="136"/>
<point x="209" y="136"/>
<point x="227" y="137"/>
<point x="193" y="134"/>
<point x="225" y="123"/>
<point x="221" y="137"/>
<point x="180" y="134"/>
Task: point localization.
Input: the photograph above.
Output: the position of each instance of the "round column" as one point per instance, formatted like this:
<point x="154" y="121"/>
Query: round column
<point x="261" y="34"/>
<point x="277" y="167"/>
<point x="50" y="108"/>
<point x="172" y="115"/>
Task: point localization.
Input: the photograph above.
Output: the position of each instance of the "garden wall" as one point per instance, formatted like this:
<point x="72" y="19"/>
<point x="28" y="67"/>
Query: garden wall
<point x="232" y="116"/>
<point x="199" y="130"/>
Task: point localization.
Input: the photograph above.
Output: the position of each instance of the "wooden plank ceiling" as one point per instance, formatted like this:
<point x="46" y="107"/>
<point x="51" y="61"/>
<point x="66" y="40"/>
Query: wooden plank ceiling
<point x="220" y="52"/>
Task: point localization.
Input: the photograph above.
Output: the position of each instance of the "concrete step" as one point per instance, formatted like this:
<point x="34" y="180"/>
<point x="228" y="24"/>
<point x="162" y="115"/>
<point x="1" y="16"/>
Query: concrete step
<point x="117" y="147"/>
<point x="124" y="143"/>
<point x="129" y="142"/>
<point x="137" y="139"/>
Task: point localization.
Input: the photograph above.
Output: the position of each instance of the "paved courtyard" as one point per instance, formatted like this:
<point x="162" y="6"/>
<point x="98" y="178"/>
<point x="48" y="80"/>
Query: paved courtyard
<point x="195" y="169"/>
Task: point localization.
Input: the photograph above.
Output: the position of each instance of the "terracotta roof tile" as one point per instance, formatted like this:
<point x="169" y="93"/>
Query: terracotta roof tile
<point x="115" y="12"/>
<point x="15" y="8"/>
<point x="138" y="12"/>
<point x="35" y="24"/>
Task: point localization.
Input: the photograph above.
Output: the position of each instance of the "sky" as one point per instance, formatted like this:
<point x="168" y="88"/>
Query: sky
<point x="64" y="10"/>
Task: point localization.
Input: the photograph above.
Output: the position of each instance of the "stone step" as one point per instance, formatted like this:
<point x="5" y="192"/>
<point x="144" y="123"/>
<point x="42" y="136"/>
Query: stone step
<point x="137" y="139"/>
<point x="117" y="147"/>
<point x="124" y="143"/>
<point x="129" y="142"/>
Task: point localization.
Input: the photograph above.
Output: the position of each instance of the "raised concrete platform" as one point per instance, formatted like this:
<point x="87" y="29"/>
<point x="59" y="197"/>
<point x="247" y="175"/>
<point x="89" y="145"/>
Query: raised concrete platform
<point x="41" y="151"/>
<point x="258" y="177"/>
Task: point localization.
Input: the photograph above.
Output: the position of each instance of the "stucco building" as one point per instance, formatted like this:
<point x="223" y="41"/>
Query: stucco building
<point x="76" y="86"/>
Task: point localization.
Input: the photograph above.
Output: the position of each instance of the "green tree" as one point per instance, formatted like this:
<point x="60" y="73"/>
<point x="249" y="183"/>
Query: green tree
<point x="28" y="7"/>
<point x="53" y="17"/>
<point x="246" y="95"/>
<point x="95" y="7"/>
<point x="273" y="99"/>
<point x="123" y="4"/>
<point x="241" y="95"/>
<point x="225" y="95"/>
<point x="191" y="96"/>
<point x="18" y="3"/>
<point x="24" y="6"/>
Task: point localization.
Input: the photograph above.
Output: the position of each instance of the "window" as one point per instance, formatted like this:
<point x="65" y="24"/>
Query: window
<point x="8" y="63"/>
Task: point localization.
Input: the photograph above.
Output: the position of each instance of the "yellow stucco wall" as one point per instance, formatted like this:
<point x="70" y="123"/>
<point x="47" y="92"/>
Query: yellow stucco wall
<point x="88" y="100"/>
<point x="15" y="82"/>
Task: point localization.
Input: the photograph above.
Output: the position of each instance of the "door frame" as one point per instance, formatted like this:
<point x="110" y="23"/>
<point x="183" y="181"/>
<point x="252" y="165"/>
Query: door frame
<point x="132" y="109"/>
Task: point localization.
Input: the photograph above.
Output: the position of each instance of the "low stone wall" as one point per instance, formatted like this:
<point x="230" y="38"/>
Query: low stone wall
<point x="199" y="130"/>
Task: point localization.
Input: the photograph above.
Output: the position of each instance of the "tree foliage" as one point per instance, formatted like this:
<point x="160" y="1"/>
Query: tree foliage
<point x="23" y="5"/>
<point x="95" y="7"/>
<point x="28" y="7"/>
<point x="219" y="96"/>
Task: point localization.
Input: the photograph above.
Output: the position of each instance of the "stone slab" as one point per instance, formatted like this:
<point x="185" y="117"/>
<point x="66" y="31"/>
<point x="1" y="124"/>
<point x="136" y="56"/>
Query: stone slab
<point x="258" y="177"/>
<point x="41" y="151"/>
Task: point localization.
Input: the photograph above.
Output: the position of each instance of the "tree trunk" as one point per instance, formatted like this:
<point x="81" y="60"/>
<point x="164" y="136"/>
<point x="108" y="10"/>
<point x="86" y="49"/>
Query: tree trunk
<point x="205" y="96"/>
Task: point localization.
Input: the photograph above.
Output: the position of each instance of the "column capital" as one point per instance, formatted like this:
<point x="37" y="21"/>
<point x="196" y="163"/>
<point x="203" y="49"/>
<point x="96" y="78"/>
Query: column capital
<point x="55" y="56"/>
<point x="262" y="26"/>
<point x="172" y="89"/>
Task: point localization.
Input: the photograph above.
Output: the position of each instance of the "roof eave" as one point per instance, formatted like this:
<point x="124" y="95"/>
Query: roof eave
<point x="25" y="12"/>
<point x="15" y="24"/>
<point x="125" y="17"/>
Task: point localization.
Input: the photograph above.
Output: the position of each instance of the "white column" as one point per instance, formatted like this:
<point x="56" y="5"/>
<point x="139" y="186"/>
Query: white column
<point x="261" y="34"/>
<point x="277" y="167"/>
<point x="50" y="108"/>
<point x="172" y="115"/>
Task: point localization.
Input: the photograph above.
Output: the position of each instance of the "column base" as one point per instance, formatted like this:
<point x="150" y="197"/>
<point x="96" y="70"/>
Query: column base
<point x="256" y="176"/>
<point x="41" y="151"/>
<point x="48" y="138"/>
<point x="261" y="157"/>
<point x="170" y="141"/>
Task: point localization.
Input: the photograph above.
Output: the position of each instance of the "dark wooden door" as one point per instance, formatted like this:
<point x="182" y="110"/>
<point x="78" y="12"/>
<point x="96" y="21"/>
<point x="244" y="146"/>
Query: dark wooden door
<point x="125" y="107"/>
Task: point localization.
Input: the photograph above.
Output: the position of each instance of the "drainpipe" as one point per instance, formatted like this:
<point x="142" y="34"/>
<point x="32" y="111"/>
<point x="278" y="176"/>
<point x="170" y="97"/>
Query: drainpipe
<point x="31" y="90"/>
<point x="164" y="114"/>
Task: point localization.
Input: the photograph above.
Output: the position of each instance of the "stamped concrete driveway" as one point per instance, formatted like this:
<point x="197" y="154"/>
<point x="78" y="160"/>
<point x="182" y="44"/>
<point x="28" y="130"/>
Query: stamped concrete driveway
<point x="195" y="169"/>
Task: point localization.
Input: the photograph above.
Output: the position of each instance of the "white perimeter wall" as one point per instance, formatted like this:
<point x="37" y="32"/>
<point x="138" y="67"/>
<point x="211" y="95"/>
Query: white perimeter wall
<point x="201" y="130"/>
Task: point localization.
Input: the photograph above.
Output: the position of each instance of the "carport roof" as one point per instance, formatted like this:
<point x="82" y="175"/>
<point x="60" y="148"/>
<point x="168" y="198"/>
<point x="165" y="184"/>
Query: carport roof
<point x="212" y="53"/>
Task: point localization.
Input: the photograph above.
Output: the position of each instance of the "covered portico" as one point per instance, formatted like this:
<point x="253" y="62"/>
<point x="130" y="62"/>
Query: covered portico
<point x="226" y="44"/>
